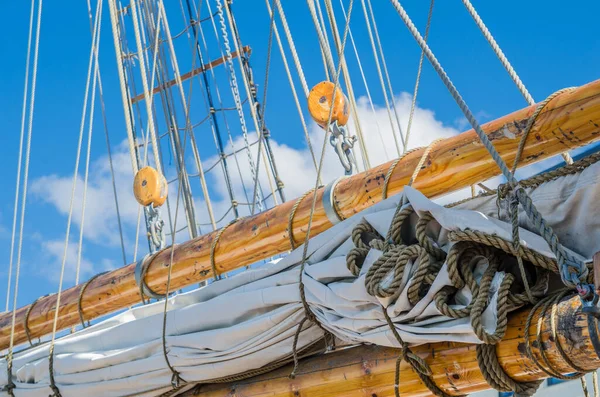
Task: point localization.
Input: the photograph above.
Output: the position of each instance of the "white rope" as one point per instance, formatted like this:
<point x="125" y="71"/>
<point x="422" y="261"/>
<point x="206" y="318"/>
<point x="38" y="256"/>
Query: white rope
<point x="195" y="152"/>
<point x="323" y="43"/>
<point x="147" y="93"/>
<point x="124" y="97"/>
<point x="218" y="93"/>
<point x="95" y="46"/>
<point x="413" y="103"/>
<point x="20" y="158"/>
<point x="349" y="86"/>
<point x="279" y="7"/>
<point x="95" y="42"/>
<point x="326" y="51"/>
<point x="238" y="102"/>
<point x="290" y="40"/>
<point x="387" y="75"/>
<point x="26" y="167"/>
<point x="505" y="62"/>
<point x="253" y="104"/>
<point x="381" y="81"/>
<point x="368" y="91"/>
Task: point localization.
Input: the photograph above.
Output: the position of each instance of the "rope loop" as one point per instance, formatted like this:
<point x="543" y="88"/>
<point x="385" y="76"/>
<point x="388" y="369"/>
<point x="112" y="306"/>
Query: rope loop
<point x="213" y="246"/>
<point x="80" y="298"/>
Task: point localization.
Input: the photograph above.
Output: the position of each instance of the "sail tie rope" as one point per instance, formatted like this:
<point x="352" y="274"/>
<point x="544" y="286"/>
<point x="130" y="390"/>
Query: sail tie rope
<point x="290" y="228"/>
<point x="413" y="103"/>
<point x="424" y="156"/>
<point x="80" y="298"/>
<point x="309" y="314"/>
<point x="213" y="247"/>
<point x="573" y="271"/>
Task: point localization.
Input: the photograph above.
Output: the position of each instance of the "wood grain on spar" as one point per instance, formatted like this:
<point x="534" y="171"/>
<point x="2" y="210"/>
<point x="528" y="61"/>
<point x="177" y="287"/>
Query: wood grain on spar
<point x="368" y="371"/>
<point x="569" y="121"/>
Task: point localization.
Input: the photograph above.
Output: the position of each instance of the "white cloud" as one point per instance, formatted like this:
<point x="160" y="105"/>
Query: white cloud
<point x="54" y="249"/>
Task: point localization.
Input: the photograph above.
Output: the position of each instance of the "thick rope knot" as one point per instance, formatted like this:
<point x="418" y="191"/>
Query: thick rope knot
<point x="393" y="260"/>
<point x="425" y="241"/>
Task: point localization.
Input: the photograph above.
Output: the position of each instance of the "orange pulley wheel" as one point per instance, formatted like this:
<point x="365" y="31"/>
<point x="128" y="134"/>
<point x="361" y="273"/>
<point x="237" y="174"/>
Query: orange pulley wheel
<point x="319" y="104"/>
<point x="150" y="187"/>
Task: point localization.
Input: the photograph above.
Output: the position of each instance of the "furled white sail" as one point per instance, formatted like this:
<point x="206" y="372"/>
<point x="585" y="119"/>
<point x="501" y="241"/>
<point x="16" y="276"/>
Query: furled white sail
<point x="249" y="320"/>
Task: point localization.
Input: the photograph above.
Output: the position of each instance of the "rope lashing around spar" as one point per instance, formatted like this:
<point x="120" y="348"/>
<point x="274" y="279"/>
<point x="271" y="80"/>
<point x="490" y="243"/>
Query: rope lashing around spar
<point x="385" y="276"/>
<point x="213" y="247"/>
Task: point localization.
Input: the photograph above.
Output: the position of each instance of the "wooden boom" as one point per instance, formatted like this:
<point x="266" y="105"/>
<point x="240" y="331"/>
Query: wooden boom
<point x="370" y="370"/>
<point x="569" y="121"/>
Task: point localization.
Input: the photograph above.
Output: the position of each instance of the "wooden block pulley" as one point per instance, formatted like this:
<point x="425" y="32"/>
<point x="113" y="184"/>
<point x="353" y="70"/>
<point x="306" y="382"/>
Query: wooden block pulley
<point x="150" y="187"/>
<point x="320" y="103"/>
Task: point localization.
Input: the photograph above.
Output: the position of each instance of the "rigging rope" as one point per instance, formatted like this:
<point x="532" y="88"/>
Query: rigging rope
<point x="124" y="94"/>
<point x="237" y="99"/>
<point x="93" y="63"/>
<point x="573" y="272"/>
<point x="309" y="315"/>
<point x="251" y="98"/>
<point x="418" y="79"/>
<point x="20" y="158"/>
<point x="368" y="91"/>
<point x="185" y="103"/>
<point x="349" y="86"/>
<point x="290" y="40"/>
<point x="504" y="60"/>
<point x="387" y="75"/>
<point x="382" y="83"/>
<point x="288" y="34"/>
<point x="9" y="357"/>
<point x="209" y="106"/>
<point x="148" y="96"/>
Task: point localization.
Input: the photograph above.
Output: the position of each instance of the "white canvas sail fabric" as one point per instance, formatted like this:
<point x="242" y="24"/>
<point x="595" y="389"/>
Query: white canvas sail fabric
<point x="249" y="320"/>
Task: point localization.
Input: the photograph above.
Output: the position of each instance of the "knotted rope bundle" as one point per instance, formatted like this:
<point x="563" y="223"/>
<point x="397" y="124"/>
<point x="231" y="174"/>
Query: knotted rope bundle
<point x="473" y="260"/>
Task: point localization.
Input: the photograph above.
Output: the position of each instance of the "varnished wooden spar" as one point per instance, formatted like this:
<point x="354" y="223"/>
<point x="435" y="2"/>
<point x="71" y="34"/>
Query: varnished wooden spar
<point x="370" y="370"/>
<point x="189" y="75"/>
<point x="569" y="121"/>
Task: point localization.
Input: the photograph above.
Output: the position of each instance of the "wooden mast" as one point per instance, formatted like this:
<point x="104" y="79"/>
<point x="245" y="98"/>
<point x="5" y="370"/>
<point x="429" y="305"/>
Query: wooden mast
<point x="569" y="121"/>
<point x="370" y="370"/>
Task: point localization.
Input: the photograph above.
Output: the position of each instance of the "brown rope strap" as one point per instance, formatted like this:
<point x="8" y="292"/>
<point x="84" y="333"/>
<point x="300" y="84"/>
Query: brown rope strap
<point x="530" y="255"/>
<point x="26" y="320"/>
<point x="424" y="240"/>
<point x="10" y="385"/>
<point x="290" y="228"/>
<point x="390" y="171"/>
<point x="495" y="376"/>
<point x="80" y="298"/>
<point x="143" y="288"/>
<point x="53" y="387"/>
<point x="419" y="365"/>
<point x="530" y="123"/>
<point x="213" y="247"/>
<point x="548" y="369"/>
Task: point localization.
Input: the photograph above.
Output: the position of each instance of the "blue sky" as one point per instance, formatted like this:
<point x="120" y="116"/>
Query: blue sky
<point x="552" y="45"/>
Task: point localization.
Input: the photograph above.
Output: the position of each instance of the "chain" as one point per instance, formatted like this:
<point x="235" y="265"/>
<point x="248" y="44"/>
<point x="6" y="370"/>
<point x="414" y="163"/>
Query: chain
<point x="238" y="103"/>
<point x="343" y="142"/>
<point x="156" y="228"/>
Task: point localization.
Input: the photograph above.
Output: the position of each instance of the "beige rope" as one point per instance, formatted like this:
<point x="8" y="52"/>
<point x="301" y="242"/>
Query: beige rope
<point x="532" y="120"/>
<point x="290" y="228"/>
<point x="415" y="173"/>
<point x="213" y="247"/>
<point x="80" y="298"/>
